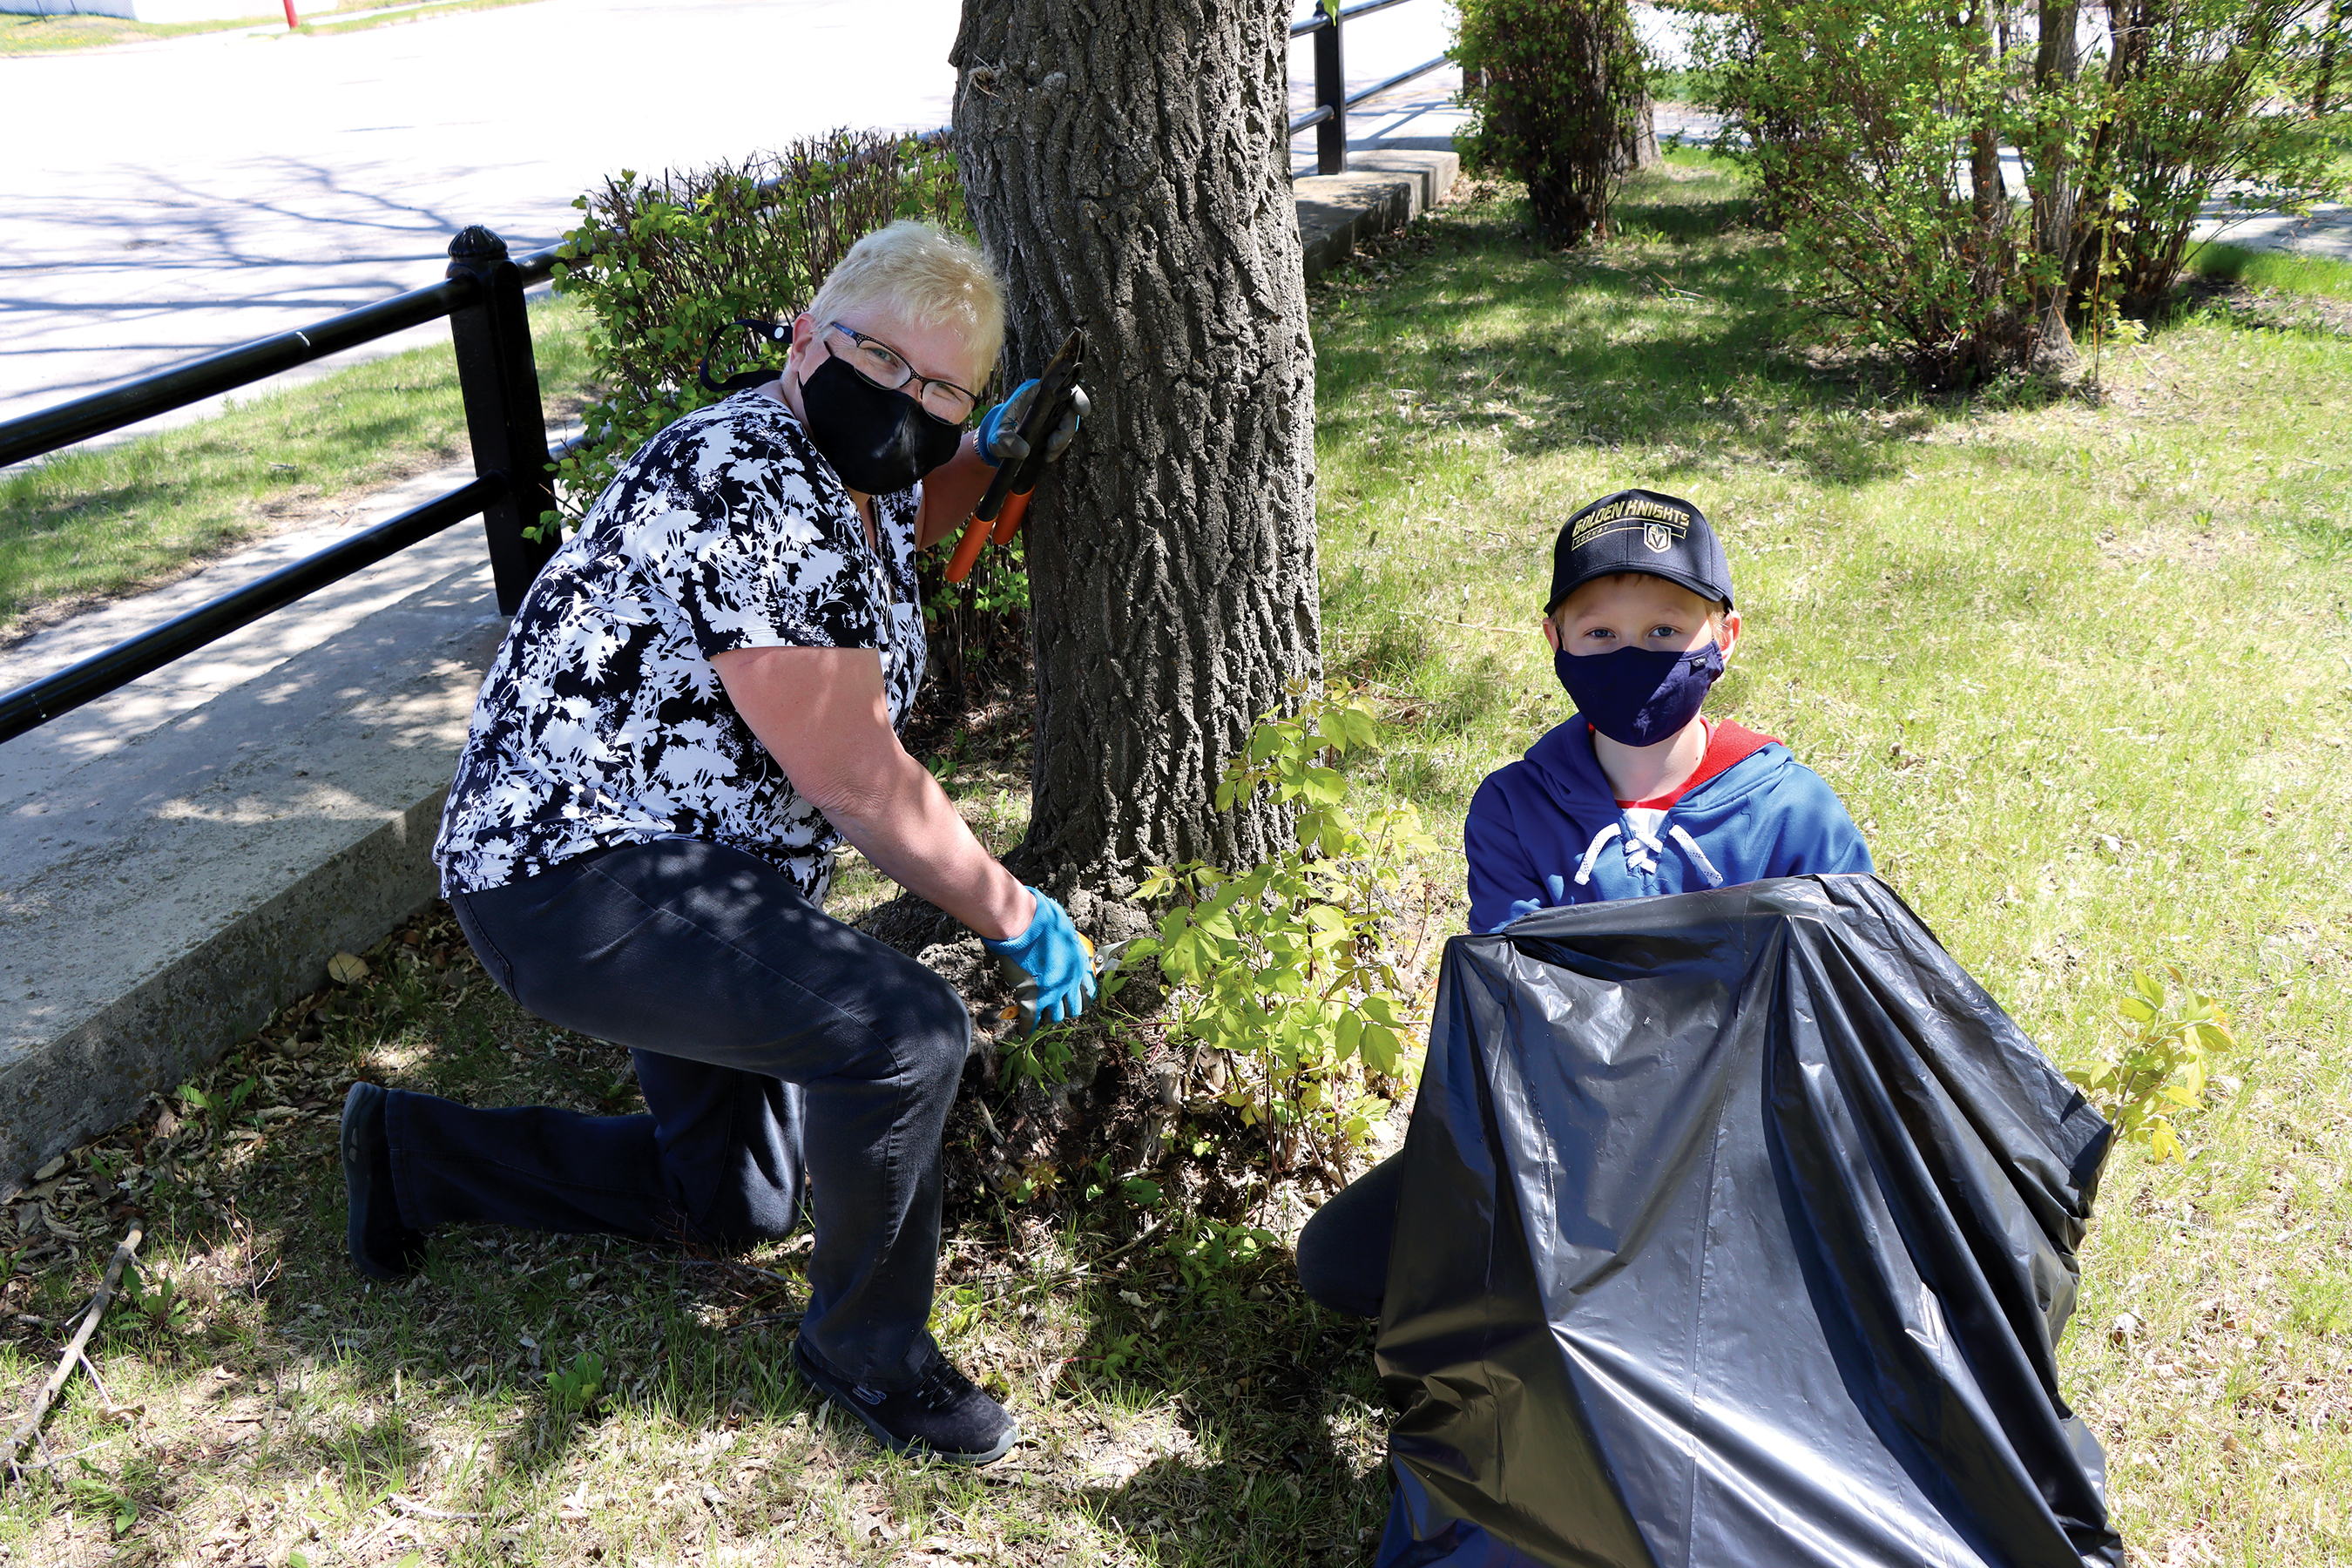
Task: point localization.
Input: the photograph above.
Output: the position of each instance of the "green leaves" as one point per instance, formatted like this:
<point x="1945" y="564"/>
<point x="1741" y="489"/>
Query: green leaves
<point x="217" y="1106"/>
<point x="2162" y="1061"/>
<point x="93" y="1491"/>
<point x="1286" y="968"/>
<point x="577" y="1386"/>
<point x="159" y="1301"/>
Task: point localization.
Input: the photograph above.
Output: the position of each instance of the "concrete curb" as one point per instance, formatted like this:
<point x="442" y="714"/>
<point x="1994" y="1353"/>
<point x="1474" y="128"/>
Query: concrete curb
<point x="97" y="1074"/>
<point x="184" y="855"/>
<point x="1384" y="188"/>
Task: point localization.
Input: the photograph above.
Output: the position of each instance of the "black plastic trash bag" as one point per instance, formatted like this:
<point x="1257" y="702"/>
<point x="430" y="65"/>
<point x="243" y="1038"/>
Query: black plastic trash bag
<point x="1736" y="1230"/>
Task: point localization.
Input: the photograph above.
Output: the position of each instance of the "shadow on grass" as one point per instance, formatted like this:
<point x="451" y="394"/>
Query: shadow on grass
<point x="1693" y="333"/>
<point x="1278" y="1404"/>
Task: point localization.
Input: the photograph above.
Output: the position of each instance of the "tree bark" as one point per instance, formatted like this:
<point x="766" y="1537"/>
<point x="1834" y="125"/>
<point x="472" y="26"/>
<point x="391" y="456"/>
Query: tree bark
<point x="2331" y="43"/>
<point x="2055" y="181"/>
<point x="1640" y="148"/>
<point x="1986" y="188"/>
<point x="1125" y="164"/>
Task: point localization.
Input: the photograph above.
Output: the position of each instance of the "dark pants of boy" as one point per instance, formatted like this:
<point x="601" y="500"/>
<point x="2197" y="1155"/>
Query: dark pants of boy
<point x="1343" y="1253"/>
<point x="779" y="1053"/>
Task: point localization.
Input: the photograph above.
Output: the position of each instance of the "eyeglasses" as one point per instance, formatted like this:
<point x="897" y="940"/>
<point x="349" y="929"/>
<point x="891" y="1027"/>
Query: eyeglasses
<point x="883" y="366"/>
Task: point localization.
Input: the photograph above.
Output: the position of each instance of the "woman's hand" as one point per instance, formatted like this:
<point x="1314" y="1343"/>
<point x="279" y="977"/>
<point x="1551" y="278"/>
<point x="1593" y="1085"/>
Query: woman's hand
<point x="998" y="438"/>
<point x="821" y="714"/>
<point x="1054" y="961"/>
<point x="950" y="494"/>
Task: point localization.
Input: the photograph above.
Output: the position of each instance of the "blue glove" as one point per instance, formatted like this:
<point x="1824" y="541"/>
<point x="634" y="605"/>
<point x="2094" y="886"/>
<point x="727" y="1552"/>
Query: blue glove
<point x="1056" y="969"/>
<point x="999" y="440"/>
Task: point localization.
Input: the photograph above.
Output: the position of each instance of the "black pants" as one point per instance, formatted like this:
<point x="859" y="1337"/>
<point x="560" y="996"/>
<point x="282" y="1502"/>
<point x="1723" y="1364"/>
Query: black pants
<point x="1343" y="1253"/>
<point x="785" y="1059"/>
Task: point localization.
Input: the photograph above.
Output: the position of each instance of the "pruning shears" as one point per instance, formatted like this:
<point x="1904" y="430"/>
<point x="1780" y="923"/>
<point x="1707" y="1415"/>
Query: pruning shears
<point x="1023" y="1013"/>
<point x="1006" y="500"/>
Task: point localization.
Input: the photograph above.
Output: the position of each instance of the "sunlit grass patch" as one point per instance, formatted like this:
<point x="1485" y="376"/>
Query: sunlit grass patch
<point x="2289" y="271"/>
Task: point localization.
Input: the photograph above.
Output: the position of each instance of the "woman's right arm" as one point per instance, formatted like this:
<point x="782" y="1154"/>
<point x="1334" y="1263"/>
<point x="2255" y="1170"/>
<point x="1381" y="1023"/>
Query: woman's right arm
<point x="823" y="715"/>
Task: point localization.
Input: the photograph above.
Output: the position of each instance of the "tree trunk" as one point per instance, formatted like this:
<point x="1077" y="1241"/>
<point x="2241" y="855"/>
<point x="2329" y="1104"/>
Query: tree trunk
<point x="1986" y="190"/>
<point x="2331" y="43"/>
<point x="1125" y="164"/>
<point x="2055" y="181"/>
<point x="1640" y="148"/>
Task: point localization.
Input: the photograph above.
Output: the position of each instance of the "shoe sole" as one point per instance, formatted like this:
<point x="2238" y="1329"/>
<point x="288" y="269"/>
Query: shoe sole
<point x="358" y="1183"/>
<point x="914" y="1446"/>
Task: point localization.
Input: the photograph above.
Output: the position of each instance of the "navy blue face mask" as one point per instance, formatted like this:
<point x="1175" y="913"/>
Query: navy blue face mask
<point x="1638" y="696"/>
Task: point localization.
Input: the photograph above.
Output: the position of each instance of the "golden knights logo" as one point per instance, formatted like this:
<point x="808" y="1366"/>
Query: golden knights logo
<point x="1660" y="526"/>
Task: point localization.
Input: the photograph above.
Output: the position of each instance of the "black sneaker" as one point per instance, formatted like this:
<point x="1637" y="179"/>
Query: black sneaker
<point x="943" y="1414"/>
<point x="380" y="1247"/>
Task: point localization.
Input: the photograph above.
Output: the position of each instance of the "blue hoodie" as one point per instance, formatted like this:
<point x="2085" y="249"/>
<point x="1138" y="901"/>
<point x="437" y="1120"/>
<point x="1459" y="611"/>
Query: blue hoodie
<point x="1547" y="830"/>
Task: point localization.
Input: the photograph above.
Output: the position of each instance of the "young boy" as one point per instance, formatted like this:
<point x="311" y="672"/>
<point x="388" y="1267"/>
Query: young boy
<point x="1635" y="795"/>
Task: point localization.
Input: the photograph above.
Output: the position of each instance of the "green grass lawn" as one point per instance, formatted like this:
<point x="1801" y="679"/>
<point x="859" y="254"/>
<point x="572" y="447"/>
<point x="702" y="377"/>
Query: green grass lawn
<point x="2081" y="667"/>
<point x="2285" y="271"/>
<point x="98" y="522"/>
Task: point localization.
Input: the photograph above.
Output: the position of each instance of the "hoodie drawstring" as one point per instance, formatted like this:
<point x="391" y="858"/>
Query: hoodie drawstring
<point x="1690" y="845"/>
<point x="1592" y="852"/>
<point x="1641" y="852"/>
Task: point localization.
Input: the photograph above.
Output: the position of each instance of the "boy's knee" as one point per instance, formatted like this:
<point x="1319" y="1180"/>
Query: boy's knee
<point x="1333" y="1278"/>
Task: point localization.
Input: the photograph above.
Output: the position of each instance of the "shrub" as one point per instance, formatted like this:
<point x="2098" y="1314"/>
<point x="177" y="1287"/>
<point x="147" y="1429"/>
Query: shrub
<point x="1866" y="129"/>
<point x="2160" y="1065"/>
<point x="1877" y="134"/>
<point x="2192" y="105"/>
<point x="1556" y="88"/>
<point x="1288" y="971"/>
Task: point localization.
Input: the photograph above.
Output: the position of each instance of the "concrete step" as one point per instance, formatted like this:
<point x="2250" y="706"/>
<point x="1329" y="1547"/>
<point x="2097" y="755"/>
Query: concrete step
<point x="184" y="856"/>
<point x="1384" y="187"/>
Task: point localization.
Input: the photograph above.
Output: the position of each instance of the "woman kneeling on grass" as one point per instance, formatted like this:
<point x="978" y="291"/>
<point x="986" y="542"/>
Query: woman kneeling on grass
<point x="697" y="701"/>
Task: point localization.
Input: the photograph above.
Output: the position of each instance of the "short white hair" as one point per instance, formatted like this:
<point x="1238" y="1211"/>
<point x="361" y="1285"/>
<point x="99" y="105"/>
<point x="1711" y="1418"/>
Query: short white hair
<point x="923" y="276"/>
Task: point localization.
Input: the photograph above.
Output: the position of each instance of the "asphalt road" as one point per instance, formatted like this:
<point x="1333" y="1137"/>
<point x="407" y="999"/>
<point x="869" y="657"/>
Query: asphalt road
<point x="163" y="200"/>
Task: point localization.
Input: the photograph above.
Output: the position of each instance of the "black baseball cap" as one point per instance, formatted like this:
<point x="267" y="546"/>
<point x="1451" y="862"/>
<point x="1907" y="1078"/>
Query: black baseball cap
<point x="1639" y="531"/>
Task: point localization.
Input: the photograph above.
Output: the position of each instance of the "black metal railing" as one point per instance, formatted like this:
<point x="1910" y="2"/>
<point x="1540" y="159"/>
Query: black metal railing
<point x="1332" y="99"/>
<point x="513" y="481"/>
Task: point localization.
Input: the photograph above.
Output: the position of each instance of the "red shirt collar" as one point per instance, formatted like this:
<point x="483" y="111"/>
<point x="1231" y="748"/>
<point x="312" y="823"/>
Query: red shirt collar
<point x="1726" y="743"/>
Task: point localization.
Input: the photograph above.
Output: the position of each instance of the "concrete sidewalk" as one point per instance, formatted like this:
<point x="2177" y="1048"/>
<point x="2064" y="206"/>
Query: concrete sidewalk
<point x="185" y="855"/>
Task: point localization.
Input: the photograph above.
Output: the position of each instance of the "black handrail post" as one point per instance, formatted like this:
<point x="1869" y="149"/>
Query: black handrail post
<point x="1331" y="93"/>
<point x="504" y="416"/>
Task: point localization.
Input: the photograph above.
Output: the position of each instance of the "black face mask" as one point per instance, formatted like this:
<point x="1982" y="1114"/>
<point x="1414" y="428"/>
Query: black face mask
<point x="878" y="440"/>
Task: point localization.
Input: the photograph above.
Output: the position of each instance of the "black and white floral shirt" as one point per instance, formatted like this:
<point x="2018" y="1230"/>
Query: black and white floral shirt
<point x="602" y="721"/>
